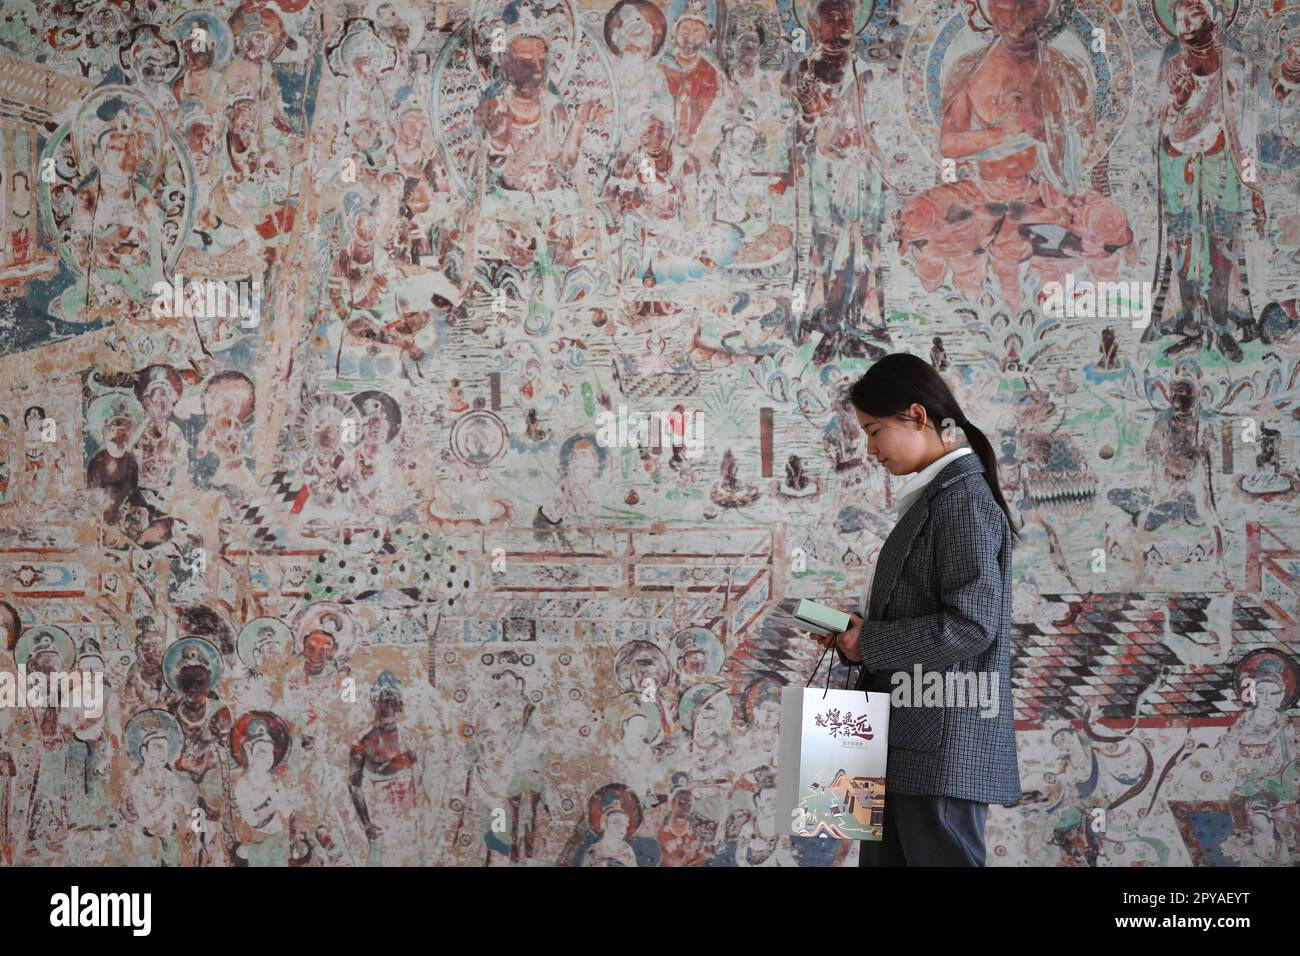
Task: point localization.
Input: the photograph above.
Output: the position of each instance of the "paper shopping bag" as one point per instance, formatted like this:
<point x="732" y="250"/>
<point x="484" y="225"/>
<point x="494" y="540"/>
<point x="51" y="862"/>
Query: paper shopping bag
<point x="831" y="756"/>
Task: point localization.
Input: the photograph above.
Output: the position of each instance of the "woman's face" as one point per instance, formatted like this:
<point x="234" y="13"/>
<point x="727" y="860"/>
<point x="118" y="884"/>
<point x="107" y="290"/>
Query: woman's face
<point x="899" y="446"/>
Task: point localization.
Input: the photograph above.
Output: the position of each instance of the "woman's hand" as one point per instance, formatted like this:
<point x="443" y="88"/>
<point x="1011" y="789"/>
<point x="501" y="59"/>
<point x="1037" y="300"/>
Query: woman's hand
<point x="847" y="642"/>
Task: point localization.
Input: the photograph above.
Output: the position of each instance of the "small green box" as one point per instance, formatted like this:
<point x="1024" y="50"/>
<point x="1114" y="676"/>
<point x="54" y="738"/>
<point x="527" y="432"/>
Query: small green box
<point x="822" y="616"/>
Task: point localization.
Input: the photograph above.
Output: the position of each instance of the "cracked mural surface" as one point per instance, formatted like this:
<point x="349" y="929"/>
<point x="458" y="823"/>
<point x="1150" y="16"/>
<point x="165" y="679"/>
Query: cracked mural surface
<point x="326" y="330"/>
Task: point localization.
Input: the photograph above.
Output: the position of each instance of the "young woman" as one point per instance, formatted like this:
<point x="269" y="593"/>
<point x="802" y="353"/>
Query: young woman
<point x="939" y="604"/>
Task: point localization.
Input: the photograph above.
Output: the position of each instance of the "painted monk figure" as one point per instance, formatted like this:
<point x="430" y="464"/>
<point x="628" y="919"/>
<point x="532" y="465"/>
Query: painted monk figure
<point x="1207" y="146"/>
<point x="835" y="157"/>
<point x="532" y="148"/>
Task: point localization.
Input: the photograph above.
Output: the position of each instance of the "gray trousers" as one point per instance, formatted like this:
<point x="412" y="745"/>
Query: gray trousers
<point x="928" y="831"/>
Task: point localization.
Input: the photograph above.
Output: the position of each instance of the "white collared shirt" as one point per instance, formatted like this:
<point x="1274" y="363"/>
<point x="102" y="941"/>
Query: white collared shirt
<point x="919" y="480"/>
<point x="907" y="496"/>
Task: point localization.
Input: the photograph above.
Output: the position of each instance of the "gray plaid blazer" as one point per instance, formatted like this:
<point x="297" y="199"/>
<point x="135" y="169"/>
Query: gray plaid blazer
<point x="941" y="598"/>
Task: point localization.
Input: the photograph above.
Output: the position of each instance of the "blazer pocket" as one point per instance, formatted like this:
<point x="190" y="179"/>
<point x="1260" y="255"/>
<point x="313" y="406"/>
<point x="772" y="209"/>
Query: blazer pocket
<point x="917" y="728"/>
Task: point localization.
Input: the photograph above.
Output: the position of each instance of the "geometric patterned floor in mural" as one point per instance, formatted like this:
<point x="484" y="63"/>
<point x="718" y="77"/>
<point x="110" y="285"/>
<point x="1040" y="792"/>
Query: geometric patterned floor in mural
<point x="1109" y="655"/>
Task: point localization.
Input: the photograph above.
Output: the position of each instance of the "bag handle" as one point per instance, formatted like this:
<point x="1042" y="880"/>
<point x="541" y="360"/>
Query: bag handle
<point x="847" y="677"/>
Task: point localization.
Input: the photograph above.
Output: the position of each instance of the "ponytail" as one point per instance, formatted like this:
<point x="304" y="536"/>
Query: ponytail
<point x="900" y="380"/>
<point x="982" y="447"/>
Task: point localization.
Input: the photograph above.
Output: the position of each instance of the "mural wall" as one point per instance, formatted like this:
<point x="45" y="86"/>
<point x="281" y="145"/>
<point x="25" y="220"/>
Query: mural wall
<point x="413" y="413"/>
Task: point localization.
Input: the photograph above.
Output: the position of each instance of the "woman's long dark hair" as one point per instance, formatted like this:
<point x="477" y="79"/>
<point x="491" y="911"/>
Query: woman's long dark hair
<point x="894" y="383"/>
